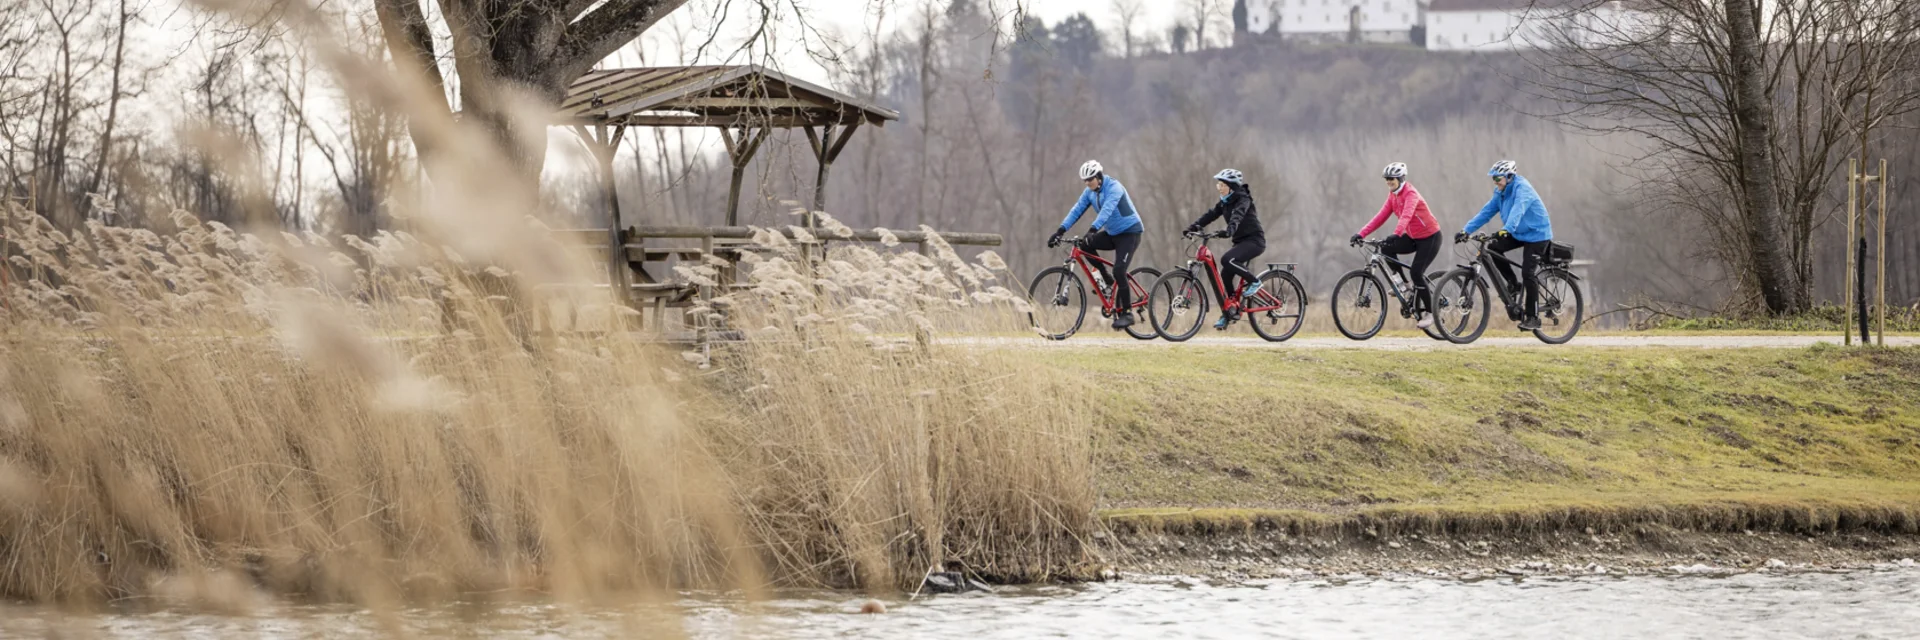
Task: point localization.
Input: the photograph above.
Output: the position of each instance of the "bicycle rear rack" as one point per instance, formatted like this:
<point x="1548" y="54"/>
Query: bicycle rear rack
<point x="1282" y="265"/>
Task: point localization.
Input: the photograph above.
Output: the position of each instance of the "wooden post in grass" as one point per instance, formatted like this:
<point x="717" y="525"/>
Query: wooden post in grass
<point x="1854" y="185"/>
<point x="1880" y="301"/>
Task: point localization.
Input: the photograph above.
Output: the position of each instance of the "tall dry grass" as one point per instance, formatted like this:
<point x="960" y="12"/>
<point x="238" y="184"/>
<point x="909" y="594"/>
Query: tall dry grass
<point x="371" y="422"/>
<point x="862" y="435"/>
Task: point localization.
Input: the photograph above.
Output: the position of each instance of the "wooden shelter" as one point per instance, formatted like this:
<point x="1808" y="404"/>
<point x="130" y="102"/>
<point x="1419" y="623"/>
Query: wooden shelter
<point x="746" y="103"/>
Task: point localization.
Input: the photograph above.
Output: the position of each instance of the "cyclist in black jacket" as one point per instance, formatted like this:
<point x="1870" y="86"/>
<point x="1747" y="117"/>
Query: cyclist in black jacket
<point x="1243" y="225"/>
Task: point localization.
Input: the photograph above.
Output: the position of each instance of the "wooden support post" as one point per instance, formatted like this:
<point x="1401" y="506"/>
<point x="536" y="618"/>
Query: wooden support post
<point x="703" y="326"/>
<point x="740" y="150"/>
<point x="604" y="142"/>
<point x="1854" y="187"/>
<point x="1881" y="301"/>
<point x="827" y="143"/>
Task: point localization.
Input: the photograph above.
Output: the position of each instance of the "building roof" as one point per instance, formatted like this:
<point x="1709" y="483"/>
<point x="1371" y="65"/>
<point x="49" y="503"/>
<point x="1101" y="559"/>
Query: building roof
<point x="710" y="96"/>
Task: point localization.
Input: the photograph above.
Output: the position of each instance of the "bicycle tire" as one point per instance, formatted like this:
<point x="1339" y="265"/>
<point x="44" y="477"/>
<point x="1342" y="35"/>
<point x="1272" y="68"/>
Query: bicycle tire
<point x="1460" y="294"/>
<point x="1369" y="297"/>
<point x="1552" y="310"/>
<point x="1433" y="283"/>
<point x="1140" y="302"/>
<point x="1178" y="295"/>
<point x="1062" y="290"/>
<point x="1280" y="287"/>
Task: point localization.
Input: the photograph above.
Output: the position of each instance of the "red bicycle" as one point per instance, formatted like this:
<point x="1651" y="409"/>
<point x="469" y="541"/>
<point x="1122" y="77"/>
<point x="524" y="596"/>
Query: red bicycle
<point x="1060" y="298"/>
<point x="1178" y="304"/>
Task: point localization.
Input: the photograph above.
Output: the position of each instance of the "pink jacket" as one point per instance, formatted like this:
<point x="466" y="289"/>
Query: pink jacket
<point x="1416" y="221"/>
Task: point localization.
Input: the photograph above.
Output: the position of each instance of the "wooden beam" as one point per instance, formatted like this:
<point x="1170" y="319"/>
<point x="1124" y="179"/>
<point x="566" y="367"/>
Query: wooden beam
<point x="742" y="233"/>
<point x="740" y="151"/>
<point x="690" y="104"/>
<point x="845" y="135"/>
<point x="737" y="120"/>
<point x="760" y="137"/>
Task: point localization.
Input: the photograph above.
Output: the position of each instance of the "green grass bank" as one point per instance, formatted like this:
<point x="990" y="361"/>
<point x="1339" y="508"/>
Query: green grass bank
<point x="1505" y="440"/>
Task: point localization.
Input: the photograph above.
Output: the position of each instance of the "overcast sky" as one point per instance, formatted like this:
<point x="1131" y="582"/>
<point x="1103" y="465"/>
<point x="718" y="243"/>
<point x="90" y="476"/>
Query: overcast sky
<point x="851" y="21"/>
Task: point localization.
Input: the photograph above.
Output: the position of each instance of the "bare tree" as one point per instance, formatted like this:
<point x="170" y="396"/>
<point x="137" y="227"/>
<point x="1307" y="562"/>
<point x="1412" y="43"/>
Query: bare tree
<point x="115" y="91"/>
<point x="927" y="77"/>
<point x="1749" y="111"/>
<point x="1129" y="13"/>
<point x="504" y="52"/>
<point x="18" y="40"/>
<point x="365" y="161"/>
<point x="1201" y="13"/>
<point x="61" y="100"/>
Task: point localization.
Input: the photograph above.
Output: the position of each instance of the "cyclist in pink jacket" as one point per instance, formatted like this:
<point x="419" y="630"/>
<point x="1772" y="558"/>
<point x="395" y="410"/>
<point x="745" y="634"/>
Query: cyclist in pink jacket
<point x="1416" y="233"/>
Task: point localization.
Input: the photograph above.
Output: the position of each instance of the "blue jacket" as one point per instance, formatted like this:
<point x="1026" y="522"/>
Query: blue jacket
<point x="1116" y="213"/>
<point x="1520" y="209"/>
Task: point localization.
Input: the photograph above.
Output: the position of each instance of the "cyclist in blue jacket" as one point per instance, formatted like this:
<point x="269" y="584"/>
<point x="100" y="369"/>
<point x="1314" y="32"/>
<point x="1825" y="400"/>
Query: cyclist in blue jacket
<point x="1527" y="229"/>
<point x="1116" y="227"/>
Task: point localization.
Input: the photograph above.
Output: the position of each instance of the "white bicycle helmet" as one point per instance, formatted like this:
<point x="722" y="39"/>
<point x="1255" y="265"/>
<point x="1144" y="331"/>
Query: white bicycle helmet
<point x="1230" y="176"/>
<point x="1501" y="168"/>
<point x="1397" y="171"/>
<point x="1091" y="170"/>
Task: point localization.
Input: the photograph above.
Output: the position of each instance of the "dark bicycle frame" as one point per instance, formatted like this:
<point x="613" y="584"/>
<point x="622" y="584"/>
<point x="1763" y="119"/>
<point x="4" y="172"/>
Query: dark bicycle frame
<point x="1380" y="263"/>
<point x="1080" y="257"/>
<point x="1485" y="264"/>
<point x="1203" y="255"/>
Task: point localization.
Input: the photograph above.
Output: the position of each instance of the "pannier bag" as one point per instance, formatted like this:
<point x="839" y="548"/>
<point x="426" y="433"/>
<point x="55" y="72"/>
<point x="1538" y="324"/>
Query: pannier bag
<point x="1559" y="253"/>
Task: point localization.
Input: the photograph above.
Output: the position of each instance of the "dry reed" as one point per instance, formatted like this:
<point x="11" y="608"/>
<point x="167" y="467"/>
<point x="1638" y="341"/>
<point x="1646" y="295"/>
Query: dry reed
<point x="374" y="423"/>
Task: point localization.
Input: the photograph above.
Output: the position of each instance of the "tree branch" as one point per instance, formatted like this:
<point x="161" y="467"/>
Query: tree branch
<point x="410" y="41"/>
<point x="597" y="34"/>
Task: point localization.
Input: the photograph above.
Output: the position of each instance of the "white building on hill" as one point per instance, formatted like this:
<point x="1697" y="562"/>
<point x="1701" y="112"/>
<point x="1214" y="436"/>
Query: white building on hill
<point x="1506" y="25"/>
<point x="1376" y="21"/>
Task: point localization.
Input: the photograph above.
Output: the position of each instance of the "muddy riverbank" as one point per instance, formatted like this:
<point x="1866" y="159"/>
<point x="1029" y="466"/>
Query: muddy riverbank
<point x="1646" y="550"/>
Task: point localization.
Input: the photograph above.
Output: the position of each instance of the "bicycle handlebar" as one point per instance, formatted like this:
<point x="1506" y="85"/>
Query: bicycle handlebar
<point x="1204" y="235"/>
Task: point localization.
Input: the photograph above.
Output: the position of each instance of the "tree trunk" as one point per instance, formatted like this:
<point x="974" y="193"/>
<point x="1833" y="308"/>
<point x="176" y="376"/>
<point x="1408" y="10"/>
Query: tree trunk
<point x="113" y="100"/>
<point x="1767" y="237"/>
<point x="507" y="87"/>
<point x="514" y="60"/>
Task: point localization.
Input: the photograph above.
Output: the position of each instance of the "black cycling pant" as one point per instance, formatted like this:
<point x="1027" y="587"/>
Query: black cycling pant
<point x="1424" y="251"/>
<point x="1533" y="253"/>
<point x="1122" y="246"/>
<point x="1234" y="263"/>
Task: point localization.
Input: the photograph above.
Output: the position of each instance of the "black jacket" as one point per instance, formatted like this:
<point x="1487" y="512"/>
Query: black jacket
<point x="1243" y="219"/>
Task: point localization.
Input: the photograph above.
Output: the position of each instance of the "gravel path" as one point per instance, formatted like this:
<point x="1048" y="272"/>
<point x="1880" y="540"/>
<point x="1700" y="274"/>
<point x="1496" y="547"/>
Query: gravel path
<point x="1086" y="340"/>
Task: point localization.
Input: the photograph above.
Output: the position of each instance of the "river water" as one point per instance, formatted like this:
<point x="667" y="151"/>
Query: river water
<point x="1830" y="606"/>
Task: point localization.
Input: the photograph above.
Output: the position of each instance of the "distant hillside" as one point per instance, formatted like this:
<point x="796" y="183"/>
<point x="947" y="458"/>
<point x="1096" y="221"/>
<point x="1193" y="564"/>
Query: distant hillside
<point x="1284" y="86"/>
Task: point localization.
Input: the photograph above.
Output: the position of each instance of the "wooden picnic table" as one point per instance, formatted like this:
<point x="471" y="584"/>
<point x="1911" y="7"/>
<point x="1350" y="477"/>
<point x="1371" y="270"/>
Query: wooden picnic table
<point x="644" y="289"/>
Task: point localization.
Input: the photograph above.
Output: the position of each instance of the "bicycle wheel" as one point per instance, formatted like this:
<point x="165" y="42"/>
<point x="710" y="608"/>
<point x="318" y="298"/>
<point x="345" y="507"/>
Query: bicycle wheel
<point x="1059" y="303"/>
<point x="1143" y="277"/>
<point x="1434" y="331"/>
<point x="1276" y="313"/>
<point x="1359" y="305"/>
<point x="1460" y="303"/>
<point x="1177" y="305"/>
<point x="1562" y="307"/>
